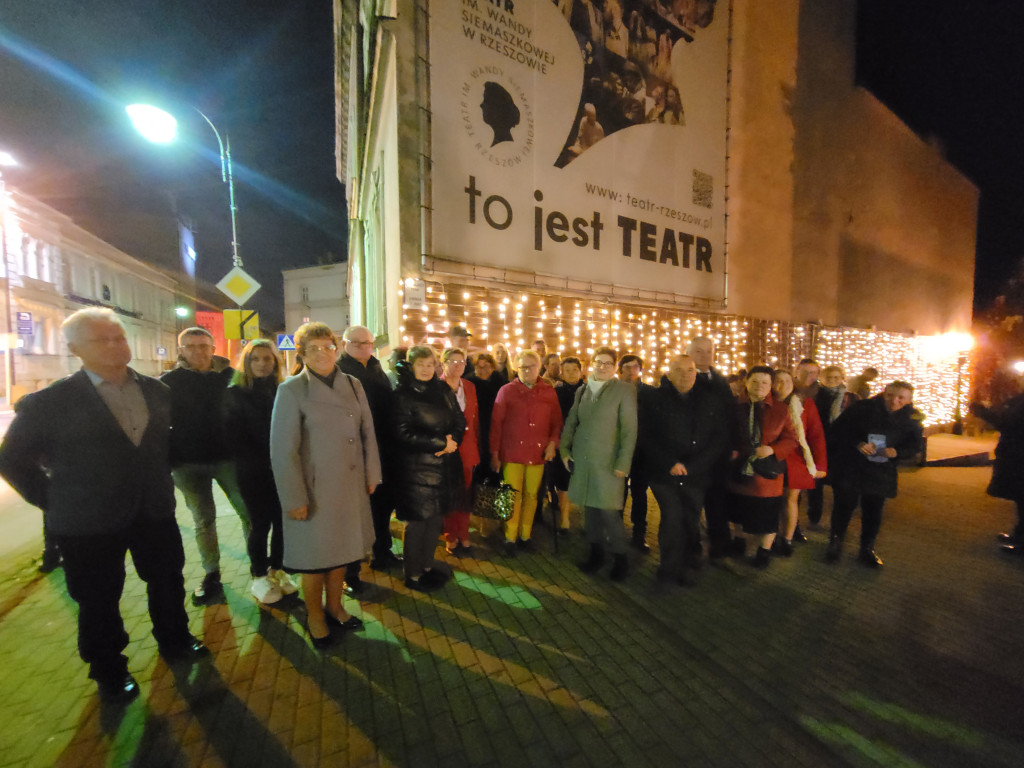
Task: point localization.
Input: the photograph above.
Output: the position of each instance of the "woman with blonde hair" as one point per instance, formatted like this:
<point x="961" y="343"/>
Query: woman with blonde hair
<point x="326" y="466"/>
<point x="504" y="369"/>
<point x="248" y="405"/>
<point x="803" y="466"/>
<point x="525" y="425"/>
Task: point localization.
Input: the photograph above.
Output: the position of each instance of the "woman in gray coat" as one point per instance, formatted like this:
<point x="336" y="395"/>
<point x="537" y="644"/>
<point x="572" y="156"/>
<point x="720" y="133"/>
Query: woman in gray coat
<point x="324" y="455"/>
<point x="597" y="445"/>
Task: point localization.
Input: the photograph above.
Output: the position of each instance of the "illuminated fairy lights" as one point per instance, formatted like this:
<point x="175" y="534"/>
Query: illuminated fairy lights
<point x="938" y="366"/>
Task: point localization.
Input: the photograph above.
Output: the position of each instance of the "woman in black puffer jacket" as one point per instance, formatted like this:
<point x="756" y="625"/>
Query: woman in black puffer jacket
<point x="428" y="428"/>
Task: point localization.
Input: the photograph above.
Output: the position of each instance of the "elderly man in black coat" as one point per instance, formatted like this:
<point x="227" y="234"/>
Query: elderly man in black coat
<point x="359" y="361"/>
<point x="682" y="432"/>
<point x="867" y="441"/>
<point x="92" y="450"/>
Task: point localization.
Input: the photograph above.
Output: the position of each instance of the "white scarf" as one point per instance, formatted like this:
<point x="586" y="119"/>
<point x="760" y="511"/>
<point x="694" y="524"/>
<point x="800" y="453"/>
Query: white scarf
<point x="796" y="411"/>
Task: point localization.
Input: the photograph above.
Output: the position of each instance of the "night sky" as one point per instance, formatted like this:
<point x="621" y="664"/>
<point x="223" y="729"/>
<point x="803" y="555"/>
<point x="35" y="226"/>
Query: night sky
<point x="263" y="72"/>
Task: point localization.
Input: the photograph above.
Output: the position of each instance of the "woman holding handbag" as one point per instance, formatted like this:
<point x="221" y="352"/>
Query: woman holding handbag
<point x="764" y="436"/>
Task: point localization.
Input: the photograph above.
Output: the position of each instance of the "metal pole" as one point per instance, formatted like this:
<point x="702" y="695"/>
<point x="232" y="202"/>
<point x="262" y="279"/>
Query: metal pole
<point x="227" y="176"/>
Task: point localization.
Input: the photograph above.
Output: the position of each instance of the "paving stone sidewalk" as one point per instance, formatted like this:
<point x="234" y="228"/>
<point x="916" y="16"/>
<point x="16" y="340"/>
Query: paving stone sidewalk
<point x="528" y="662"/>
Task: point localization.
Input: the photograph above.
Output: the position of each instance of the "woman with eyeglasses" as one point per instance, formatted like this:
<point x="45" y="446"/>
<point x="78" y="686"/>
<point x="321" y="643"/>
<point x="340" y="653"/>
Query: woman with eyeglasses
<point x="324" y="455"/>
<point x="456" y="522"/>
<point x="597" y="447"/>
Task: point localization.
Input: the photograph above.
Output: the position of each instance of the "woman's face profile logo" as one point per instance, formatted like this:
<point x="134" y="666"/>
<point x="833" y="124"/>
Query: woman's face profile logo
<point x="499" y="111"/>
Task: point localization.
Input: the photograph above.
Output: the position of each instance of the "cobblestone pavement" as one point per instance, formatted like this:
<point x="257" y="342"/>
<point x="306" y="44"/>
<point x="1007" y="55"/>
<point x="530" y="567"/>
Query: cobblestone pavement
<point x="528" y="662"/>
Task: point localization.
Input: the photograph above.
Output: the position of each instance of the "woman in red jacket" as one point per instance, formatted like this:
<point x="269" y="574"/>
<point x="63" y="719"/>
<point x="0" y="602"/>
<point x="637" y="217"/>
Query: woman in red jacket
<point x="804" y="465"/>
<point x="764" y="436"/>
<point x="456" y="522"/>
<point x="525" y="427"/>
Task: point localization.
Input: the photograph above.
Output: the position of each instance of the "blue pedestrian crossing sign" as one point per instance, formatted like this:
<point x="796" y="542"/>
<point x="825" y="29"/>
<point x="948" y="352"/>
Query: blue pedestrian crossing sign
<point x="285" y="342"/>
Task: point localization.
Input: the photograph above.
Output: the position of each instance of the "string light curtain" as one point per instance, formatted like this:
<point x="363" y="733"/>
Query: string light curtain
<point x="937" y="366"/>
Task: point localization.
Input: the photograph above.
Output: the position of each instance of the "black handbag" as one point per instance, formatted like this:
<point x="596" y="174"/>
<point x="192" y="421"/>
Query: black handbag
<point x="493" y="498"/>
<point x="769" y="467"/>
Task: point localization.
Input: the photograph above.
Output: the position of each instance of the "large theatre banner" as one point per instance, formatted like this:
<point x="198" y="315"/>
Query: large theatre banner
<point x="583" y="138"/>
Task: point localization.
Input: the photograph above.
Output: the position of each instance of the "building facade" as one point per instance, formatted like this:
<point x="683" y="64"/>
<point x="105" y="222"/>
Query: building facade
<point x="519" y="168"/>
<point x="316" y="294"/>
<point x="54" y="267"/>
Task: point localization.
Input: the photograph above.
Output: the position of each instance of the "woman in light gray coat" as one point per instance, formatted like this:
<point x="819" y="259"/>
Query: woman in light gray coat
<point x="597" y="445"/>
<point x="324" y="455"/>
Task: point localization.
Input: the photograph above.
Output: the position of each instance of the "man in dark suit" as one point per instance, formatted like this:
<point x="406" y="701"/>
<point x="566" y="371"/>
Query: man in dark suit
<point x="713" y="386"/>
<point x="92" y="450"/>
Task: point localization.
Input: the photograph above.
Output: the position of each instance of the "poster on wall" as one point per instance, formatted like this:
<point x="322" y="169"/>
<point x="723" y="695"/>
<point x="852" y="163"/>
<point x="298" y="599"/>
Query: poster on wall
<point x="582" y="138"/>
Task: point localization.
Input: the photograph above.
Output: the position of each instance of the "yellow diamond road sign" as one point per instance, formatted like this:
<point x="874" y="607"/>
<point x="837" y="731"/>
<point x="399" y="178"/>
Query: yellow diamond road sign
<point x="238" y="285"/>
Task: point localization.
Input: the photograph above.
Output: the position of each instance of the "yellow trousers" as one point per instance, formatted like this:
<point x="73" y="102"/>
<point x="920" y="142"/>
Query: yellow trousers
<point x="525" y="478"/>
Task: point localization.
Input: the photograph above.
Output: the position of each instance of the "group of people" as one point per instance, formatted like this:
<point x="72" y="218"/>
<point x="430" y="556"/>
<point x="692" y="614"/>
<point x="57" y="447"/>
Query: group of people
<point x="315" y="465"/>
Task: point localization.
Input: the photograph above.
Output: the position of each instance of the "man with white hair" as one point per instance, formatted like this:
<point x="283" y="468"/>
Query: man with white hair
<point x="713" y="385"/>
<point x="92" y="449"/>
<point x="358" y="361"/>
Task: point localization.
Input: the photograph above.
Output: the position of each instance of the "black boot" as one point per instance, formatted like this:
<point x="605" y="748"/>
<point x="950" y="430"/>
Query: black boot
<point x="798" y="536"/>
<point x="835" y="548"/>
<point x="620" y="568"/>
<point x="867" y="555"/>
<point x="596" y="559"/>
<point x="762" y="558"/>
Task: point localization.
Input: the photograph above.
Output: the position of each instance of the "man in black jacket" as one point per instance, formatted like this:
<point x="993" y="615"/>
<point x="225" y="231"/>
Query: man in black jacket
<point x="682" y="433"/>
<point x="91" y="449"/>
<point x="358" y="361"/>
<point x="868" y="440"/>
<point x="712" y="385"/>
<point x="199" y="450"/>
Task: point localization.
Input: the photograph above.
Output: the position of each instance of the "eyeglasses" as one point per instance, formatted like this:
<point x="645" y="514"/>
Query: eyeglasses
<point x="603" y="363"/>
<point x="360" y="343"/>
<point x="456" y="362"/>
<point x="323" y="349"/>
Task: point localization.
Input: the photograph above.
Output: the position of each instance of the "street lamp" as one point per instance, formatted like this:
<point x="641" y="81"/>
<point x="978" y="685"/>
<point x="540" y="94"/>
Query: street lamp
<point x="161" y="127"/>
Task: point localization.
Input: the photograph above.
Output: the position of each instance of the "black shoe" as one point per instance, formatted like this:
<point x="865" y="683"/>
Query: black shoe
<point x="639" y="543"/>
<point x="1012" y="549"/>
<point x="209" y="590"/>
<point x="437" y="577"/>
<point x="762" y="558"/>
<point x="319" y="642"/>
<point x="386" y="562"/>
<point x="782" y="547"/>
<point x="189" y="649"/>
<point x="594" y="562"/>
<point x="620" y="568"/>
<point x="422" y="584"/>
<point x="835" y="549"/>
<point x="525" y="544"/>
<point x="868" y="557"/>
<point x="510" y="549"/>
<point x="50" y="561"/>
<point x="118" y="688"/>
<point x="798" y="536"/>
<point x="354" y="587"/>
<point x="350" y="624"/>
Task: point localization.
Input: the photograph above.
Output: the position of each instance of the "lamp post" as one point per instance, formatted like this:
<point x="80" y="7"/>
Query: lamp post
<point x="161" y="127"/>
<point x="6" y="160"/>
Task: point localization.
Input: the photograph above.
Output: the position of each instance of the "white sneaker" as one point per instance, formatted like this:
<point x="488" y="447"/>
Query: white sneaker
<point x="264" y="590"/>
<point x="283" y="581"/>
